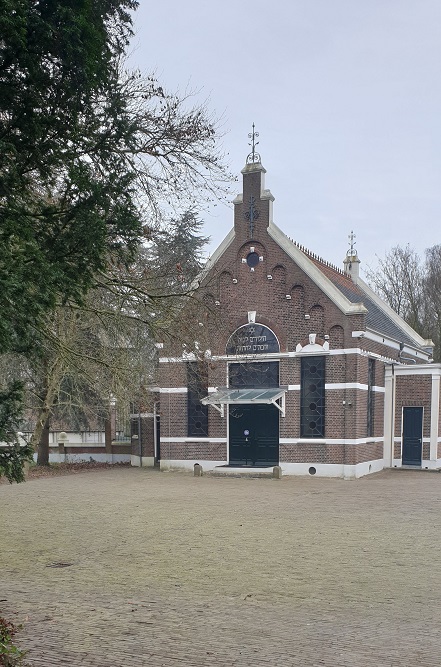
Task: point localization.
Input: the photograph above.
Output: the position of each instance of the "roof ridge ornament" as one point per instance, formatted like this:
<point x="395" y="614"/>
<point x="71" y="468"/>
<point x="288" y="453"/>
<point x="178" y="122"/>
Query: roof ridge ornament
<point x="351" y="262"/>
<point x="254" y="156"/>
<point x="352" y="251"/>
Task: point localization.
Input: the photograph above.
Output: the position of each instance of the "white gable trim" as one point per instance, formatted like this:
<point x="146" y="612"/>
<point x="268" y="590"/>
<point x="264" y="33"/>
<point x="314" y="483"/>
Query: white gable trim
<point x="391" y="342"/>
<point x="346" y="306"/>
<point x="434" y="370"/>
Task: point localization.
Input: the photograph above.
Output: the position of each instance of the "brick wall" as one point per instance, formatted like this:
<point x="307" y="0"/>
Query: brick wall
<point x="189" y="451"/>
<point x="413" y="391"/>
<point x="330" y="453"/>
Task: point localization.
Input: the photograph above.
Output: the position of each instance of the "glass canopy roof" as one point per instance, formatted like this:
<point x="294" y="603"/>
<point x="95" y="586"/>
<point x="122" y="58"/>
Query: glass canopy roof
<point x="239" y="396"/>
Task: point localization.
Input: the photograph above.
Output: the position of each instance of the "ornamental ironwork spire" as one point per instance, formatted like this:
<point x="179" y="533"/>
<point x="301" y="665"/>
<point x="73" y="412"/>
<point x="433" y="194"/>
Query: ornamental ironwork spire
<point x="251" y="214"/>
<point x="254" y="155"/>
<point x="352" y="252"/>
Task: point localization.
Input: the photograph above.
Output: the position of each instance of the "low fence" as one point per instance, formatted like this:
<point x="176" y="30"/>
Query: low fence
<point x="82" y="446"/>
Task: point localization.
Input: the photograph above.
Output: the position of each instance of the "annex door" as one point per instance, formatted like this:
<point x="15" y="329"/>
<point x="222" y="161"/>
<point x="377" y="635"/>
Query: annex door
<point x="412" y="436"/>
<point x="254" y="435"/>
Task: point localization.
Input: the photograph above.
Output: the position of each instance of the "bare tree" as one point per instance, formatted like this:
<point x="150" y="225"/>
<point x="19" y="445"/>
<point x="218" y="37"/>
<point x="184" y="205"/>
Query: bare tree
<point x="89" y="356"/>
<point x="412" y="287"/>
<point x="399" y="280"/>
<point x="432" y="297"/>
<point x="104" y="348"/>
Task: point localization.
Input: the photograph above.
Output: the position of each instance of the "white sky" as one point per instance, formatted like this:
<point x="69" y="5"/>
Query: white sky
<point x="346" y="97"/>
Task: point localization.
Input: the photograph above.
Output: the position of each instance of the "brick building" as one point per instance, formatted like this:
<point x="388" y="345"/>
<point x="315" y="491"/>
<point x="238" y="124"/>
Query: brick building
<point x="295" y="363"/>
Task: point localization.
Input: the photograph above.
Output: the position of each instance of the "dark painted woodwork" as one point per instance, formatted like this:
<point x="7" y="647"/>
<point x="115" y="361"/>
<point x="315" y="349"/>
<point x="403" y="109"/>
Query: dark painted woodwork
<point x="412" y="436"/>
<point x="254" y="435"/>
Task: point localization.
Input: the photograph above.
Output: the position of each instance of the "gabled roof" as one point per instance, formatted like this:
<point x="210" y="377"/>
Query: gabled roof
<point x="350" y="297"/>
<point x="344" y="292"/>
<point x="304" y="261"/>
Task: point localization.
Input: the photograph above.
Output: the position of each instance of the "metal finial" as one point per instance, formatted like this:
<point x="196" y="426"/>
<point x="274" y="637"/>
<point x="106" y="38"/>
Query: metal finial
<point x="352" y="252"/>
<point x="254" y="155"/>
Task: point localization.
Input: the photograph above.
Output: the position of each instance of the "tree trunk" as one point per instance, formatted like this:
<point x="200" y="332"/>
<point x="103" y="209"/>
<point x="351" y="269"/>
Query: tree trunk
<point x="43" y="446"/>
<point x="40" y="439"/>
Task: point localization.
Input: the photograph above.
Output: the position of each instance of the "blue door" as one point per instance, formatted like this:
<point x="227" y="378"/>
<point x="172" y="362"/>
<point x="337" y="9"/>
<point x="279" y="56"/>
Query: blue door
<point x="412" y="436"/>
<point x="254" y="429"/>
<point x="254" y="435"/>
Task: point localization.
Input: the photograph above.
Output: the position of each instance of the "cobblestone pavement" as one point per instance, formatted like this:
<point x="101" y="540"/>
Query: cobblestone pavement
<point x="168" y="569"/>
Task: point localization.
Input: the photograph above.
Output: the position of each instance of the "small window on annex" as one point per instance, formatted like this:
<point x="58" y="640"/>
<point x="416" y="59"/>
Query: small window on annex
<point x="312" y="397"/>
<point x="197" y="388"/>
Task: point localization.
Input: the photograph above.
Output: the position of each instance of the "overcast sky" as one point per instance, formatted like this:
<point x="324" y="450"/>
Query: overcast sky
<point x="346" y="97"/>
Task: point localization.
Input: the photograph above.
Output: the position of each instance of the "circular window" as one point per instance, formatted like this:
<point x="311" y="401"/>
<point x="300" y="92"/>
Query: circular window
<point x="312" y="425"/>
<point x="313" y="406"/>
<point x="252" y="259"/>
<point x="312" y="470"/>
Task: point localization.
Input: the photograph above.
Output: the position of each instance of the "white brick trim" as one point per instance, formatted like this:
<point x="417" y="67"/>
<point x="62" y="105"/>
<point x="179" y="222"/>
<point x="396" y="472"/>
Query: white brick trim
<point x="186" y="439"/>
<point x="377" y="337"/>
<point x="329" y="441"/>
<point x="173" y="390"/>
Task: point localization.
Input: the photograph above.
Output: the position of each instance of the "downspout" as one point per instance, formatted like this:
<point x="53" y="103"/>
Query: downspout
<point x="139" y="438"/>
<point x="155" y="434"/>
<point x="392" y="421"/>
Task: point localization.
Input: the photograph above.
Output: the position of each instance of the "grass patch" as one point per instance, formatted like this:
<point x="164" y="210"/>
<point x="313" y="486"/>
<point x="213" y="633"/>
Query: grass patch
<point x="10" y="655"/>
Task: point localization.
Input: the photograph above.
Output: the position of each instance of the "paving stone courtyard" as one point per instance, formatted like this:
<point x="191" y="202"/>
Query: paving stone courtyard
<point x="166" y="569"/>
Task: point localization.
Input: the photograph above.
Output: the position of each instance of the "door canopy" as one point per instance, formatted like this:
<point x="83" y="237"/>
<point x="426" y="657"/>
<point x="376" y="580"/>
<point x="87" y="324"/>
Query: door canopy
<point x="253" y="339"/>
<point x="226" y="395"/>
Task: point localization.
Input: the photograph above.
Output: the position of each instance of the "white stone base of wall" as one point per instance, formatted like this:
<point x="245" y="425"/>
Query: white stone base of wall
<point x="85" y="457"/>
<point x="146" y="462"/>
<point x="332" y="469"/>
<point x="295" y="469"/>
<point x="168" y="464"/>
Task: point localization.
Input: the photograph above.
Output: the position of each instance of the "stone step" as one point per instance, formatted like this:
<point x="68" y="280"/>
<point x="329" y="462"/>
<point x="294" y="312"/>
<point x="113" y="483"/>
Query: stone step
<point x="242" y="471"/>
<point x="415" y="469"/>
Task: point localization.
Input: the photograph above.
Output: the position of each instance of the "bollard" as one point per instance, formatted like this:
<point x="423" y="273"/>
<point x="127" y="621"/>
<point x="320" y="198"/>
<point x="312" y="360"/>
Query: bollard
<point x="277" y="472"/>
<point x="198" y="470"/>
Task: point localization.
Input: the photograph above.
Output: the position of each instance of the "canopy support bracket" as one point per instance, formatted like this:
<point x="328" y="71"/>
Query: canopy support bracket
<point x="280" y="406"/>
<point x="219" y="408"/>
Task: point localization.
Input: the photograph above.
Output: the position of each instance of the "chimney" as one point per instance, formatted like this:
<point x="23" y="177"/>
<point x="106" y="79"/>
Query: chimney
<point x="351" y="265"/>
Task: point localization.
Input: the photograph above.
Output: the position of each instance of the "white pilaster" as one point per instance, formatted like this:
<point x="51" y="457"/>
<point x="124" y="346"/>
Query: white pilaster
<point x="434" y="415"/>
<point x="389" y="416"/>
